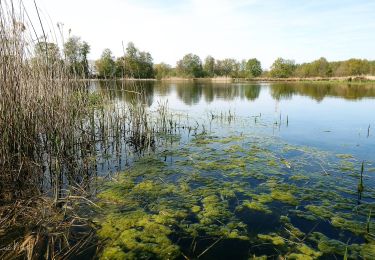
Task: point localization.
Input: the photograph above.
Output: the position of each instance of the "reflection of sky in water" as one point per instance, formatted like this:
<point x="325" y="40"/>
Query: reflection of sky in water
<point x="331" y="117"/>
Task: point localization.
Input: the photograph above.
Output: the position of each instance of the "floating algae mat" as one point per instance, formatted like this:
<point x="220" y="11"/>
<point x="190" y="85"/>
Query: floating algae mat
<point x="237" y="195"/>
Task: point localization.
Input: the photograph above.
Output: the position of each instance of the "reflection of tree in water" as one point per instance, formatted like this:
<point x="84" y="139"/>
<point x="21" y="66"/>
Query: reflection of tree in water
<point x="129" y="91"/>
<point x="226" y="91"/>
<point x="208" y="93"/>
<point x="252" y="91"/>
<point x="189" y="92"/>
<point x="162" y="88"/>
<point x="319" y="91"/>
<point x="281" y="91"/>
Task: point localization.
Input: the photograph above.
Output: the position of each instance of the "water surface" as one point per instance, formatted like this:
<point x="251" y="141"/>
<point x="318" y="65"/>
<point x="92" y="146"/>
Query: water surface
<point x="332" y="116"/>
<point x="260" y="169"/>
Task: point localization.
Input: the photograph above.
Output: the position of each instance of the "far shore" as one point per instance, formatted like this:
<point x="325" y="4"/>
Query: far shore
<point x="354" y="79"/>
<point x="269" y="79"/>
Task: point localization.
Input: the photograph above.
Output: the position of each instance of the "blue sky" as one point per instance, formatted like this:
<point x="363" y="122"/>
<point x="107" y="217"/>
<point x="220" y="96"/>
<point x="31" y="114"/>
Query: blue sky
<point x="266" y="29"/>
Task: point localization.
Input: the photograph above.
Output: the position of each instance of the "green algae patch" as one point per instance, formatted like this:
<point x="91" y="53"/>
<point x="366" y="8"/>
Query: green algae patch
<point x="138" y="235"/>
<point x="234" y="149"/>
<point x="299" y="177"/>
<point x="295" y="256"/>
<point x="213" y="210"/>
<point x="368" y="251"/>
<point x="206" y="139"/>
<point x="344" y="156"/>
<point x="284" y="196"/>
<point x="294" y="232"/>
<point x="305" y="253"/>
<point x="346" y="166"/>
<point x="330" y="246"/>
<point x="353" y="226"/>
<point x="334" y="247"/>
<point x="273" y="238"/>
<point x="257" y="206"/>
<point x="320" y="211"/>
<point x="115" y="253"/>
<point x="308" y="251"/>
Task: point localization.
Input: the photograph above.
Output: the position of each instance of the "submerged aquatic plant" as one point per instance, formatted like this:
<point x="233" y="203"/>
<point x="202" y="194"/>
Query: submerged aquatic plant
<point x="360" y="184"/>
<point x="216" y="189"/>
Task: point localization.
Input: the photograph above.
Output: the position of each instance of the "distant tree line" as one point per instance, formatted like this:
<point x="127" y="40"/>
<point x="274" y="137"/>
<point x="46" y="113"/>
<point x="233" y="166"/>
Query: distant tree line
<point x="283" y="68"/>
<point x="192" y="66"/>
<point x="139" y="64"/>
<point x="134" y="64"/>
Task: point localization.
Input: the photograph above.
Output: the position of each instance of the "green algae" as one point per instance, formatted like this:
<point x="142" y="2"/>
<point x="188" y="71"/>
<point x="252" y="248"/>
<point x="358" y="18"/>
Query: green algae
<point x="299" y="177"/>
<point x="138" y="235"/>
<point x="213" y="210"/>
<point x="205" y="139"/>
<point x="368" y="251"/>
<point x="273" y="238"/>
<point x="320" y="211"/>
<point x="308" y="251"/>
<point x="294" y="232"/>
<point x="335" y="247"/>
<point x="234" y="149"/>
<point x="329" y="246"/>
<point x="295" y="256"/>
<point x="256" y="205"/>
<point x="193" y="197"/>
<point x="263" y="257"/>
<point x="305" y="252"/>
<point x="195" y="209"/>
<point x="344" y="156"/>
<point x="346" y="166"/>
<point x="353" y="226"/>
<point x="284" y="196"/>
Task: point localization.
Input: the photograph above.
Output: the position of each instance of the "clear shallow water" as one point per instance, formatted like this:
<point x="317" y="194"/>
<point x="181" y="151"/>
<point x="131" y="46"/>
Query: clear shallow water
<point x="333" y="116"/>
<point x="266" y="169"/>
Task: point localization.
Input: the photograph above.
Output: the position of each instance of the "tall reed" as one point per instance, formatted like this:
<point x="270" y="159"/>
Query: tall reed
<point x="52" y="128"/>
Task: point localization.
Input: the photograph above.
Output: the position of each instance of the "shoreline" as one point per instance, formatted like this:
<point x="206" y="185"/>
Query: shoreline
<point x="346" y="79"/>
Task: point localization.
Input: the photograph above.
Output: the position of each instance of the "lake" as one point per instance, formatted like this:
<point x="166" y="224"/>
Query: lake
<point x="247" y="170"/>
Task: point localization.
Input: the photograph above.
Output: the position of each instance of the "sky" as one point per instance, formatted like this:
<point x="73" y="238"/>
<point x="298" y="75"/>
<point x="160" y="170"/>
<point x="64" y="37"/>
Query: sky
<point x="302" y="30"/>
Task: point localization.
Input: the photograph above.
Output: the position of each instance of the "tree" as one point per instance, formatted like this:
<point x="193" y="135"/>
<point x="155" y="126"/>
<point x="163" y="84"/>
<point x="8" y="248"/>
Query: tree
<point x="190" y="66"/>
<point x="282" y="68"/>
<point x="162" y="70"/>
<point x="356" y="67"/>
<point x="209" y="66"/>
<point x="106" y="65"/>
<point x="84" y="51"/>
<point x="228" y="67"/>
<point x="76" y="53"/>
<point x="135" y="64"/>
<point x="145" y="65"/>
<point x="318" y="68"/>
<point x="47" y="57"/>
<point x="253" y="68"/>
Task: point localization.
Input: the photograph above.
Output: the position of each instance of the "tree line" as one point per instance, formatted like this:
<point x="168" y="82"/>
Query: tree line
<point x="284" y="68"/>
<point x="139" y="64"/>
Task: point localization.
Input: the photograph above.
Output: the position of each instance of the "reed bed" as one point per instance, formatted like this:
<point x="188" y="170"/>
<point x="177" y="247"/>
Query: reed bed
<point x="54" y="134"/>
<point x="52" y="128"/>
<point x="40" y="108"/>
